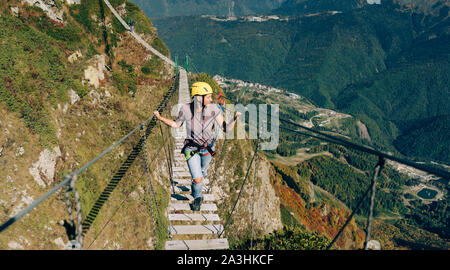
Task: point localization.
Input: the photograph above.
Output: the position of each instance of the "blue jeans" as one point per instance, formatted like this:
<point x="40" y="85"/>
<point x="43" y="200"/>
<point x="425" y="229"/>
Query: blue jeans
<point x="198" y="166"/>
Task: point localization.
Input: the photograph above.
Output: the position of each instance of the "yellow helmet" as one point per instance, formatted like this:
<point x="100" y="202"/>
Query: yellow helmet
<point x="201" y="88"/>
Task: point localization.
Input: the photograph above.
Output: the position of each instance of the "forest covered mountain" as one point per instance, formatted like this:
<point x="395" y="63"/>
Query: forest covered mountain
<point x="382" y="63"/>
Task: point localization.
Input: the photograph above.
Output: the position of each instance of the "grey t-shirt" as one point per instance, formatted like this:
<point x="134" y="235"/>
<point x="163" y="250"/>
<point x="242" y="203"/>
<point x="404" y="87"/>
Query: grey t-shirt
<point x="201" y="131"/>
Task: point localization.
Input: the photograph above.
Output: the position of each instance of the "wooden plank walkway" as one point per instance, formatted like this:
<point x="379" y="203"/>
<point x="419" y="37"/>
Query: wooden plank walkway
<point x="180" y="203"/>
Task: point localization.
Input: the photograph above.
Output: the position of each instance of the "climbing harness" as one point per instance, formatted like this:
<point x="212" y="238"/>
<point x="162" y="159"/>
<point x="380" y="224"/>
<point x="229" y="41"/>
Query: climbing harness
<point x="190" y="143"/>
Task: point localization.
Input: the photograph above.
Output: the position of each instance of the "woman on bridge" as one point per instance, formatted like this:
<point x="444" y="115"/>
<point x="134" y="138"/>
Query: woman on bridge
<point x="201" y="116"/>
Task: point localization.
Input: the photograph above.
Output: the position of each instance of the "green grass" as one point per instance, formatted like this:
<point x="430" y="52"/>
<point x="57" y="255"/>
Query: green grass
<point x="28" y="79"/>
<point x="287" y="219"/>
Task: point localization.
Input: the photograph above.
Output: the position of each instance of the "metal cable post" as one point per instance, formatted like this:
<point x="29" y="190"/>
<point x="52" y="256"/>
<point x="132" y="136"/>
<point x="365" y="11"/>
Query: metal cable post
<point x="377" y="172"/>
<point x="77" y="242"/>
<point x="68" y="204"/>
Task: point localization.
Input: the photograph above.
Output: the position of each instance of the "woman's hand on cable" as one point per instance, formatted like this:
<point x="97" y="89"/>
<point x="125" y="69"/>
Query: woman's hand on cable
<point x="158" y="116"/>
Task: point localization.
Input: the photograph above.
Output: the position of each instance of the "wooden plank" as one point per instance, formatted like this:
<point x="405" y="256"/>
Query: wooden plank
<point x="183" y="96"/>
<point x="194" y="217"/>
<point x="182" y="174"/>
<point x="196" y="229"/>
<point x="188" y="197"/>
<point x="206" y="244"/>
<point x="186" y="207"/>
<point x="180" y="169"/>
<point x="188" y="188"/>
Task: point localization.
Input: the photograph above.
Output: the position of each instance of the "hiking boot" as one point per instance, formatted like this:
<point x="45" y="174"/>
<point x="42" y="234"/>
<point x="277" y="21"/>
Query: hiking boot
<point x="197" y="203"/>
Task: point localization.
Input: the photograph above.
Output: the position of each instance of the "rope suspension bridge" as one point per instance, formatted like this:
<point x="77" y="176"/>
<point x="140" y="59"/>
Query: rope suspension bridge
<point x="187" y="229"/>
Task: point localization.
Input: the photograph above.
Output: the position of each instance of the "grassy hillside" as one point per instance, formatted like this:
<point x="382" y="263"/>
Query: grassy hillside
<point x="60" y="108"/>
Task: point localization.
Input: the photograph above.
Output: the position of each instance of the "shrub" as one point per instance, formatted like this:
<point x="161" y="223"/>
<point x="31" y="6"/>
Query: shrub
<point x="160" y="46"/>
<point x="146" y="70"/>
<point x="125" y="82"/>
<point x="288" y="238"/>
<point x="79" y="88"/>
<point x="125" y="66"/>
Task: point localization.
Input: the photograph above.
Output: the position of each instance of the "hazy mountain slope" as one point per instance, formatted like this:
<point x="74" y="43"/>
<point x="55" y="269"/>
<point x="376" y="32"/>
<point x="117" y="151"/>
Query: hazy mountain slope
<point x="167" y="8"/>
<point x="415" y="142"/>
<point x="296" y="7"/>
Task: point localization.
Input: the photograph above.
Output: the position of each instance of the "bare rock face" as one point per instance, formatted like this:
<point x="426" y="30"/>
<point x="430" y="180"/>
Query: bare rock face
<point x="94" y="74"/>
<point x="264" y="201"/>
<point x="14" y="245"/>
<point x="43" y="170"/>
<point x="23" y="200"/>
<point x="121" y="10"/>
<point x="20" y="151"/>
<point x="74" y="56"/>
<point x="267" y="205"/>
<point x="73" y="2"/>
<point x="15" y="11"/>
<point x="73" y="97"/>
<point x="49" y="7"/>
<point x="363" y="132"/>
